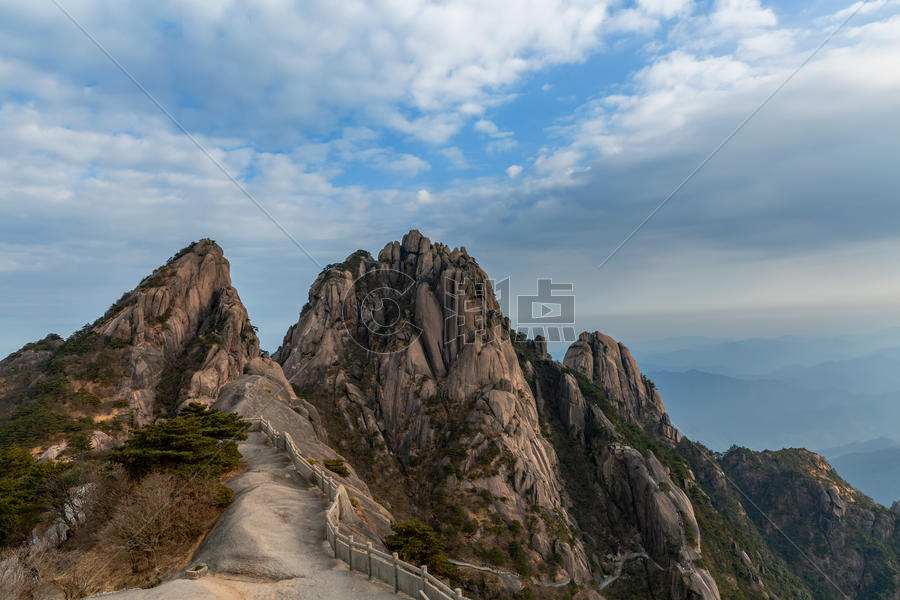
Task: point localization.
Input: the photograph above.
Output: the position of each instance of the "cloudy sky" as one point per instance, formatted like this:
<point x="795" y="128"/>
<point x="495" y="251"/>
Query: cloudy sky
<point x="536" y="134"/>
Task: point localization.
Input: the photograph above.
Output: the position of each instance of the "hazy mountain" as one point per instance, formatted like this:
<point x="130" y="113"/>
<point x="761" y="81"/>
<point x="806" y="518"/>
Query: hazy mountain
<point x="832" y="404"/>
<point x="876" y="373"/>
<point x="873" y="467"/>
<point x="872" y="445"/>
<point x="759" y="358"/>
<point x="720" y="411"/>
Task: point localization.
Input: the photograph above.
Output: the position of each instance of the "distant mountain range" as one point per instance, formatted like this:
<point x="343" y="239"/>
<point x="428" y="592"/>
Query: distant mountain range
<point x="836" y="393"/>
<point x="764" y="358"/>
<point x="767" y="414"/>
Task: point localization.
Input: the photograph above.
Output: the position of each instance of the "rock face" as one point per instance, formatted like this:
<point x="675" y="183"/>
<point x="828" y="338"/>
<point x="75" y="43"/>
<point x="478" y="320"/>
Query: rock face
<point x="448" y="419"/>
<point x="20" y="368"/>
<point x="626" y="502"/>
<point x="186" y="331"/>
<point x="425" y="387"/>
<point x="610" y="365"/>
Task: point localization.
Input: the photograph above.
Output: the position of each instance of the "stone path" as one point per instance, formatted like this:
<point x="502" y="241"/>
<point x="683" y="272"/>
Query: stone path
<point x="269" y="544"/>
<point x="620" y="565"/>
<point x="507" y="576"/>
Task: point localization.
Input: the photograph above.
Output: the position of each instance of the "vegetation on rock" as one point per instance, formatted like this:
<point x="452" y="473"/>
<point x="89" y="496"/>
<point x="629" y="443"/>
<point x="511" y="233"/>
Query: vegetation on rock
<point x="418" y="544"/>
<point x="336" y="465"/>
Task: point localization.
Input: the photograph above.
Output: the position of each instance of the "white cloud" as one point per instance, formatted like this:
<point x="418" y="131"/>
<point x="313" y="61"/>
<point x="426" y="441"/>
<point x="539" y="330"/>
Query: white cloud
<point x="742" y="14"/>
<point x="455" y="156"/>
<point x="514" y="171"/>
<point x="664" y="8"/>
<point x="415" y="66"/>
<point x="770" y="43"/>
<point x="487" y="127"/>
<point x="407" y="163"/>
<point x="424" y="197"/>
<point x="501" y="141"/>
<point x="564" y="161"/>
<point x="686" y="99"/>
<point x="501" y="144"/>
<point x="861" y="9"/>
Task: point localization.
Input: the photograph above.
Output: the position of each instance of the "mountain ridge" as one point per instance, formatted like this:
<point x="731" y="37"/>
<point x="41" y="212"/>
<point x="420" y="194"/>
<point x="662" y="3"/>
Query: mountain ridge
<point x="402" y="369"/>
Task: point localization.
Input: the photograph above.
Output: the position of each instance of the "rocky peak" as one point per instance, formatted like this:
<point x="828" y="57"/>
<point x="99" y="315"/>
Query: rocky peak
<point x="186" y="331"/>
<point x="428" y="378"/>
<point x="180" y="335"/>
<point x="609" y="364"/>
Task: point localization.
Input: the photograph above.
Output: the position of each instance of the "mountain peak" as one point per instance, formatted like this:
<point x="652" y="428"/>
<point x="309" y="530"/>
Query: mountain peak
<point x="186" y="311"/>
<point x="425" y="388"/>
<point x="609" y="364"/>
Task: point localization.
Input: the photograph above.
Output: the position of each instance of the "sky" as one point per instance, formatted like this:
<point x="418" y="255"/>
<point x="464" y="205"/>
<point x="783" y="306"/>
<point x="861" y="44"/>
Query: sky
<point x="536" y="134"/>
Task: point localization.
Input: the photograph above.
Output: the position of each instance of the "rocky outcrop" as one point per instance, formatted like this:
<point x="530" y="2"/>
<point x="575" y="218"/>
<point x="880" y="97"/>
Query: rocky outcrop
<point x="178" y="337"/>
<point x="426" y="374"/>
<point x="609" y="364"/>
<point x="424" y="384"/>
<point x="641" y="486"/>
<point x="186" y="333"/>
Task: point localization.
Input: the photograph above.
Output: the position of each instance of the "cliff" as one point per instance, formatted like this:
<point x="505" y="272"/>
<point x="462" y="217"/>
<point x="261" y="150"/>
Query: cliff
<point x="609" y="364"/>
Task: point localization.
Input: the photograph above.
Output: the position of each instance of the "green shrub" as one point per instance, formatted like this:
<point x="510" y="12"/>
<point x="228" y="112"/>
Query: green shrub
<point x="496" y="557"/>
<point x="199" y="438"/>
<point x="516" y="527"/>
<point x="37" y="419"/>
<point x="102" y="369"/>
<point x="80" y="442"/>
<point x="418" y="544"/>
<point x="519" y="558"/>
<point x="23" y="491"/>
<point x="337" y="465"/>
<point x="224" y="495"/>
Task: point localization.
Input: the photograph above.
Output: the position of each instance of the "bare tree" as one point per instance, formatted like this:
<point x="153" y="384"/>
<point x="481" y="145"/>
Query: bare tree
<point x="146" y="519"/>
<point x="81" y="579"/>
<point x="24" y="569"/>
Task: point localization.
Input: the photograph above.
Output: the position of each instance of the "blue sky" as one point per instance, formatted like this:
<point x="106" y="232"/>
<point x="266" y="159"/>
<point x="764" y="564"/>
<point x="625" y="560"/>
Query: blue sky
<point x="537" y="134"/>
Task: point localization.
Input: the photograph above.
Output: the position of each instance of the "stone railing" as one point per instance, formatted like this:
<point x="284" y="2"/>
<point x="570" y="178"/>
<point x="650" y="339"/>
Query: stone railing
<point x="362" y="557"/>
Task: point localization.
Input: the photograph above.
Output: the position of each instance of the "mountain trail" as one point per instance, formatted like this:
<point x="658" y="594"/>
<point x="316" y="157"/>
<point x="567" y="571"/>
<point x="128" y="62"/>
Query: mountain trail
<point x="269" y="543"/>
